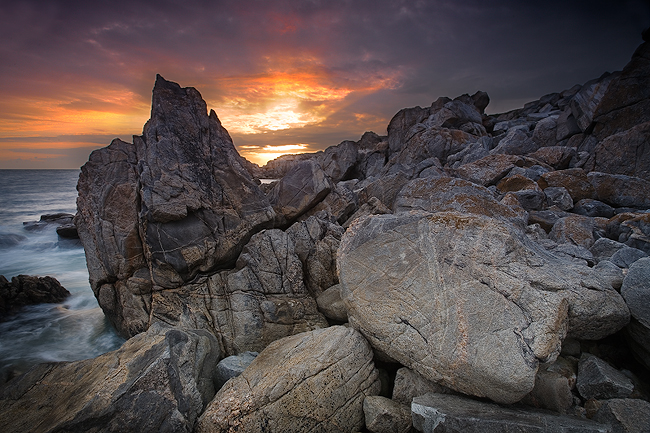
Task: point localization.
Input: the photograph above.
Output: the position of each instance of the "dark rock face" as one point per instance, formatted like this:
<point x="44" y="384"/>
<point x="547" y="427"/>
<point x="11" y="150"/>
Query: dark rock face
<point x="28" y="290"/>
<point x="156" y="213"/>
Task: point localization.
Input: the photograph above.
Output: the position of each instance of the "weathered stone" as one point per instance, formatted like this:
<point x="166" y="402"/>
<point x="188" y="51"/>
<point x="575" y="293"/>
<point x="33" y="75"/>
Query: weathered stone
<point x="621" y="191"/>
<point x="552" y="391"/>
<point x="400" y="126"/>
<point x="624" y="153"/>
<point x="385" y="189"/>
<point x="575" y="180"/>
<point x="437" y="413"/>
<point x="298" y="191"/>
<point x="278" y="167"/>
<point x="156" y="213"/>
<point x="374" y="206"/>
<point x="28" y="290"/>
<point x="530" y="199"/>
<point x="593" y="208"/>
<point x="604" y="248"/>
<point x="625" y="257"/>
<point x="449" y="194"/>
<point x="575" y="229"/>
<point x="459" y="266"/>
<point x="611" y="273"/>
<point x="546" y="218"/>
<point x="516" y="142"/>
<point x="232" y="366"/>
<point x="597" y="379"/>
<point x="574" y="253"/>
<point x="340" y="203"/>
<point x="489" y="170"/>
<point x="331" y="305"/>
<point x="383" y="415"/>
<point x="158" y="381"/>
<point x="557" y="157"/>
<point x="636" y="291"/>
<point x="409" y="384"/>
<point x="314" y="381"/>
<point x="516" y="182"/>
<point x="545" y="131"/>
<point x="566" y="126"/>
<point x="625" y="415"/>
<point x="585" y="102"/>
<point x="68" y="231"/>
<point x="472" y="152"/>
<point x="558" y="196"/>
<point x="339" y="162"/>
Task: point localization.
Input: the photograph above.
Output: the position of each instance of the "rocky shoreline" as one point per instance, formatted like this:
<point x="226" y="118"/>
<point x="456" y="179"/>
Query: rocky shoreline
<point x="466" y="272"/>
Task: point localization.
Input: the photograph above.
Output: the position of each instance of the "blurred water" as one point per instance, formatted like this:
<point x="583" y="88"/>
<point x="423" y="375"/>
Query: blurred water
<point x="75" y="329"/>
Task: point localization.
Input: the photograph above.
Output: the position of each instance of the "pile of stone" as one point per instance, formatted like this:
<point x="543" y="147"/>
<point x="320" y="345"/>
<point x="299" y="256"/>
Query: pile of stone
<point x="28" y="290"/>
<point x="466" y="272"/>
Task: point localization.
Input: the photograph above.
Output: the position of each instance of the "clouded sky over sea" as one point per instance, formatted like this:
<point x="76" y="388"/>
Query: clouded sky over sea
<point x="285" y="76"/>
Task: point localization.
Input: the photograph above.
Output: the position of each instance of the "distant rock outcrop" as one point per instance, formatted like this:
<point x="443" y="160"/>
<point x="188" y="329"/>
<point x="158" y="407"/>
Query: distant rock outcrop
<point x="28" y="290"/>
<point x="499" y="256"/>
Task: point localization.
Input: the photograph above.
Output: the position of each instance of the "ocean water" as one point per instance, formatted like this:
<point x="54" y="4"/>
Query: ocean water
<point x="73" y="330"/>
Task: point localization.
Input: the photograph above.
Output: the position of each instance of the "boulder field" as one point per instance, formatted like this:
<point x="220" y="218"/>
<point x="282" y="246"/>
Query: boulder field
<point x="465" y="272"/>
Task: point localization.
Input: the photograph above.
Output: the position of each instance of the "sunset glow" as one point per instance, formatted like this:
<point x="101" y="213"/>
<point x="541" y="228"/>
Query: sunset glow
<point x="261" y="155"/>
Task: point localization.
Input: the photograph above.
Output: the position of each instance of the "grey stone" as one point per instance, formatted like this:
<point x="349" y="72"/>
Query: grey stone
<point x="566" y="126"/>
<point x="438" y="413"/>
<point x="558" y="196"/>
<point x="530" y="199"/>
<point x="158" y="381"/>
<point x="604" y="248"/>
<point x="552" y="391"/>
<point x="545" y="131"/>
<point x="339" y="162"/>
<point x="383" y="415"/>
<point x="636" y="291"/>
<point x="597" y="379"/>
<point x="400" y="125"/>
<point x="331" y="304"/>
<point x="409" y="384"/>
<point x="593" y="208"/>
<point x="314" y="381"/>
<point x="612" y="154"/>
<point x="574" y="229"/>
<point x="232" y="366"/>
<point x="625" y="257"/>
<point x="459" y="266"/>
<point x="625" y="415"/>
<point x="558" y="157"/>
<point x="374" y="206"/>
<point x="384" y="188"/>
<point x="575" y="180"/>
<point x="585" y="102"/>
<point x="621" y="191"/>
<point x="516" y="142"/>
<point x="490" y="169"/>
<point x="611" y="273"/>
<point x="546" y="218"/>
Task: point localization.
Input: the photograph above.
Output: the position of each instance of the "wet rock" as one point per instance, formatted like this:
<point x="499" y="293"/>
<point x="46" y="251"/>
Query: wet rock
<point x="158" y="381"/>
<point x="232" y="366"/>
<point x="25" y="290"/>
<point x="10" y="239"/>
<point x="597" y="379"/>
<point x="68" y="231"/>
<point x="441" y="413"/>
<point x="383" y="415"/>
<point x="310" y="381"/>
<point x="625" y="415"/>
<point x="459" y="266"/>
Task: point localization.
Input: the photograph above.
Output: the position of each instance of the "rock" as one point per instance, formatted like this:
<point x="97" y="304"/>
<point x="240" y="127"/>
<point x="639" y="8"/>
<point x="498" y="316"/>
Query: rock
<point x="176" y="203"/>
<point x="409" y="384"/>
<point x="315" y="243"/>
<point x="305" y="185"/>
<point x="558" y="157"/>
<point x="636" y="291"/>
<point x="593" y="208"/>
<point x="400" y="126"/>
<point x="552" y="391"/>
<point x="625" y="415"/>
<point x="612" y="154"/>
<point x="383" y="415"/>
<point x="68" y="231"/>
<point x="611" y="273"/>
<point x="29" y="290"/>
<point x="449" y="194"/>
<point x="545" y="131"/>
<point x="575" y="180"/>
<point x="621" y="191"/>
<point x="574" y="253"/>
<point x="459" y="266"/>
<point x="331" y="305"/>
<point x="585" y="102"/>
<point x="232" y="366"/>
<point x="574" y="229"/>
<point x="278" y="167"/>
<point x="450" y="413"/>
<point x="374" y="206"/>
<point x="625" y="104"/>
<point x="340" y="203"/>
<point x="566" y="126"/>
<point x="385" y="189"/>
<point x="626" y="256"/>
<point x="530" y="199"/>
<point x="560" y="197"/>
<point x="599" y="380"/>
<point x="604" y="249"/>
<point x="158" y="381"/>
<point x="516" y="142"/>
<point x="517" y="182"/>
<point x="489" y="170"/>
<point x="339" y="162"/>
<point x="314" y="381"/>
<point x="472" y="152"/>
<point x="546" y="218"/>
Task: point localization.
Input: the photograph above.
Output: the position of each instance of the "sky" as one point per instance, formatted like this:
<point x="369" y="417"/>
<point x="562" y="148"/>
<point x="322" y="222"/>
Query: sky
<point x="285" y="76"/>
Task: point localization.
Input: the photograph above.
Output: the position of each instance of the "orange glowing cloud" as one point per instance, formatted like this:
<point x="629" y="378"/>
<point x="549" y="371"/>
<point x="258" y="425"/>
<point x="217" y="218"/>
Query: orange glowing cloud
<point x="260" y="155"/>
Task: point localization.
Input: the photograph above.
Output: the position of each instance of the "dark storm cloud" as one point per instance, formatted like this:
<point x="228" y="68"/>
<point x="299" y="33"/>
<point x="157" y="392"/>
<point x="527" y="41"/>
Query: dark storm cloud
<point x="376" y="56"/>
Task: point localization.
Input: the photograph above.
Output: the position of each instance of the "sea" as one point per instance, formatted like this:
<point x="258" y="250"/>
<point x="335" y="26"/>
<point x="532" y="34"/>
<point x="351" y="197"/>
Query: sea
<point x="74" y="329"/>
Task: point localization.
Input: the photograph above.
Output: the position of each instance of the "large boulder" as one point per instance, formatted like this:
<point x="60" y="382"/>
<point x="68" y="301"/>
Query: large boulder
<point x="620" y="190"/>
<point x="636" y="292"/>
<point x="158" y="381"/>
<point x="314" y="381"/>
<point x="339" y="162"/>
<point x="154" y="214"/>
<point x="468" y="301"/>
<point x="624" y="153"/>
